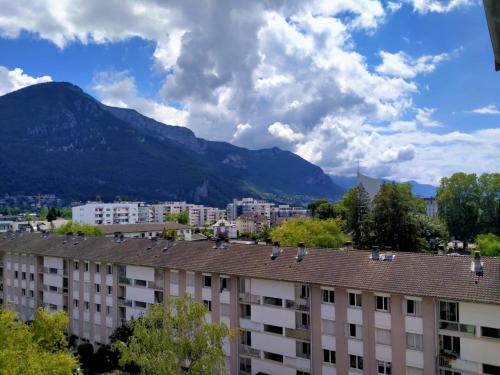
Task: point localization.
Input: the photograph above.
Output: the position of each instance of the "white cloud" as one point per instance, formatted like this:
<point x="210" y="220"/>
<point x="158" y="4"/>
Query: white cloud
<point x="440" y="6"/>
<point x="11" y="80"/>
<point x="236" y="69"/>
<point x="424" y="117"/>
<point x="118" y="89"/>
<point x="401" y="65"/>
<point x="486" y="110"/>
<point x="285" y="132"/>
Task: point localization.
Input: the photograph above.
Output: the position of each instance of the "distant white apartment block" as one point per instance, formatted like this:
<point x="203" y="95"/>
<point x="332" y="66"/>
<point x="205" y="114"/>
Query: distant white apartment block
<point x="97" y="213"/>
<point x="431" y="206"/>
<point x="274" y="214"/>
<point x="199" y="215"/>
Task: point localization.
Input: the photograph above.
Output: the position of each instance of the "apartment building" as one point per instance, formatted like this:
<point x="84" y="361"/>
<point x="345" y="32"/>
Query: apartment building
<point x="148" y="230"/>
<point x="248" y="206"/>
<point x="300" y="311"/>
<point x="199" y="215"/>
<point x="96" y="213"/>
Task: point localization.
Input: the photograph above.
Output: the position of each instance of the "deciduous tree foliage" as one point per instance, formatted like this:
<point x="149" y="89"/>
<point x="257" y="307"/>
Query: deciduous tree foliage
<point x="39" y="348"/>
<point x="356" y="206"/>
<point x="175" y="339"/>
<point x="488" y="244"/>
<point x="313" y="232"/>
<point x="71" y="227"/>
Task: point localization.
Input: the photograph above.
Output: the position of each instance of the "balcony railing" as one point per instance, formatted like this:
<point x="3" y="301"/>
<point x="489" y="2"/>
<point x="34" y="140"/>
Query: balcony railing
<point x="249" y="298"/>
<point x="248" y="350"/>
<point x="298" y="334"/>
<point x="299" y="304"/>
<point x="124" y="302"/>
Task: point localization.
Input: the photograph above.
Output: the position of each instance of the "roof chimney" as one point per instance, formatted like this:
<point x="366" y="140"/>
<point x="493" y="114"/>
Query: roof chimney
<point x="276" y="250"/>
<point x="375" y="253"/>
<point x="218" y="243"/>
<point x="440" y="249"/>
<point x="477" y="266"/>
<point x="348" y="245"/>
<point x="152" y="242"/>
<point x="301" y="252"/>
<point x="69" y="237"/>
<point x="388" y="256"/>
<point x="169" y="243"/>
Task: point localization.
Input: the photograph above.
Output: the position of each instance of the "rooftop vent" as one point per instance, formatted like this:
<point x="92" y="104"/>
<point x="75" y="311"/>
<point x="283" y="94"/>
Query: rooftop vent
<point x="375" y="253"/>
<point x="301" y="252"/>
<point x="477" y="266"/>
<point x="118" y="237"/>
<point x="388" y="255"/>
<point x="348" y="245"/>
<point x="276" y="250"/>
<point x="69" y="237"/>
<point x="224" y="244"/>
<point x="440" y="249"/>
<point x="169" y="243"/>
<point x="152" y="242"/>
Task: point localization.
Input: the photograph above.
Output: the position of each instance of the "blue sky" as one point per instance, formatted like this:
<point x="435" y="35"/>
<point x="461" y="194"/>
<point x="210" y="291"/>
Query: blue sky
<point x="408" y="88"/>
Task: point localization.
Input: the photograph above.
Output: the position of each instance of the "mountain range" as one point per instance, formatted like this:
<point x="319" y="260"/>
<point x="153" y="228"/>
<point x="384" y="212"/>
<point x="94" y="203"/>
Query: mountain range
<point x="58" y="139"/>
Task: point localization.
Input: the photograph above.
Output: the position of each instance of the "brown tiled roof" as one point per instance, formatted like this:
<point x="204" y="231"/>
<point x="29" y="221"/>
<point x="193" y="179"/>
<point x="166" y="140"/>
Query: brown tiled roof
<point x="409" y="273"/>
<point x="146" y="227"/>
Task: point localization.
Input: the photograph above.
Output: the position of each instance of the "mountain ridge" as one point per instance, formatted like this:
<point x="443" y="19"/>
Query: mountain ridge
<point x="59" y="139"/>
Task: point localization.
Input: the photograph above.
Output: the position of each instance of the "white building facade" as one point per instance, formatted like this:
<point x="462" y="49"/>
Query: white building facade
<point x="97" y="213"/>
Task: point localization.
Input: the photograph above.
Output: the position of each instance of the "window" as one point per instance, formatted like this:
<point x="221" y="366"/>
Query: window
<point x="208" y="304"/>
<point x="449" y="344"/>
<point x="52" y="288"/>
<point x="328" y="296"/>
<point x="174" y="277"/>
<point x="356" y="362"/>
<point x="109" y="310"/>
<point x="109" y="269"/>
<point x="272" y="301"/>
<point x="189" y="279"/>
<point x="32" y="294"/>
<point x="53" y="271"/>
<point x="75" y="303"/>
<point x="302" y="373"/>
<point x="413" y="307"/>
<point x="383" y="303"/>
<point x="448" y="311"/>
<point x="328" y="327"/>
<point x="207" y="281"/>
<point x="140" y="304"/>
<point x="224" y="282"/>
<point x="225" y="309"/>
<point x="355" y="331"/>
<point x="32" y="277"/>
<point x="383" y="336"/>
<point x="97" y="268"/>
<point x="384" y="368"/>
<point x="490" y="369"/>
<point x="16" y="274"/>
<point x="97" y="307"/>
<point x="86" y="266"/>
<point x="414" y="341"/>
<point x="245" y="311"/>
<point x="246" y="365"/>
<point x="23" y="292"/>
<point x="490" y="332"/>
<point x="273" y="357"/>
<point x="86" y="304"/>
<point x="328" y="356"/>
<point x="273" y="329"/>
<point x="76" y="265"/>
<point x="303" y="349"/>
<point x="110" y="289"/>
<point x="246" y="338"/>
<point x="304" y="320"/>
<point x="139" y="282"/>
<point x="304" y="291"/>
<point x="23" y="276"/>
<point x="97" y="288"/>
<point x="355" y="299"/>
<point x="448" y="372"/>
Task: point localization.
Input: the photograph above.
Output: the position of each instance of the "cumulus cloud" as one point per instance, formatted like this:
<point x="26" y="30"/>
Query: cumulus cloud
<point x="118" y="89"/>
<point x="486" y="110"/>
<point x="11" y="80"/>
<point x="261" y="74"/>
<point x="440" y="6"/>
<point x="401" y="65"/>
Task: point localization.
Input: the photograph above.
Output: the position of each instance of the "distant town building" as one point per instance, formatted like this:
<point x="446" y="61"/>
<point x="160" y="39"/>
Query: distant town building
<point x="284" y="211"/>
<point x="97" y="213"/>
<point x="431" y="206"/>
<point x="147" y="230"/>
<point x="248" y="205"/>
<point x="250" y="223"/>
<point x="224" y="228"/>
<point x="199" y="215"/>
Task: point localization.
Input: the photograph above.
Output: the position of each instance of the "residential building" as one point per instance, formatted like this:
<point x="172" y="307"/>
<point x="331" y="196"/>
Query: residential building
<point x="225" y="228"/>
<point x="431" y="206"/>
<point x="314" y="311"/>
<point x="96" y="213"/>
<point x="150" y="230"/>
<point x="199" y="215"/>
<point x="250" y="223"/>
<point x="284" y="211"/>
<point x="248" y="205"/>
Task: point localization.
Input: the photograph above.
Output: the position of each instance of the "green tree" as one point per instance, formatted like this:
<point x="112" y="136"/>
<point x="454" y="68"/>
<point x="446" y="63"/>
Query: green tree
<point x="488" y="244"/>
<point x="356" y="207"/>
<point x="66" y="213"/>
<point x="315" y="204"/>
<point x="313" y="232"/>
<point x="395" y="219"/>
<point x="98" y="198"/>
<point x="42" y="215"/>
<point x="459" y="205"/>
<point x="71" y="227"/>
<point x="53" y="214"/>
<point x="39" y="348"/>
<point x="183" y="217"/>
<point x="175" y="339"/>
<point x="489" y="219"/>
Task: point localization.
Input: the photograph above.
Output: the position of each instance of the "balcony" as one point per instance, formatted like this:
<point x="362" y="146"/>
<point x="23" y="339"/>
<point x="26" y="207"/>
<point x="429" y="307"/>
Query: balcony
<point x="298" y="334"/>
<point x="124" y="280"/>
<point x="249" y="298"/>
<point x="248" y="350"/>
<point x="124" y="302"/>
<point x="299" y="304"/>
<point x="157" y="284"/>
